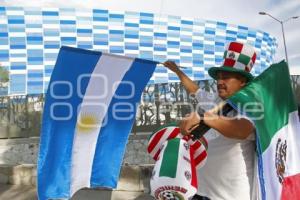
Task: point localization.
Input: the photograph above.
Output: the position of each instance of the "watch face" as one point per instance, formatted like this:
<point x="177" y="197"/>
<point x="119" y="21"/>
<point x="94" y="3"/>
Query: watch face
<point x="200" y="111"/>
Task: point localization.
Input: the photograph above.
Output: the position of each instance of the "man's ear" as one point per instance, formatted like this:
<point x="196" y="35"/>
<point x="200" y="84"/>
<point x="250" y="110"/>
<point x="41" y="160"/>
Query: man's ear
<point x="243" y="81"/>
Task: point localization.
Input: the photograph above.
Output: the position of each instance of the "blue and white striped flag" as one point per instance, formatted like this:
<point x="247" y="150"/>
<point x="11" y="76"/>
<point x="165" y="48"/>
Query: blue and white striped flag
<point x="89" y="111"/>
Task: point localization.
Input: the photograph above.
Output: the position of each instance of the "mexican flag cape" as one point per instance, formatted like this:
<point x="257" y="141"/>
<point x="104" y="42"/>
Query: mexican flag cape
<point x="269" y="101"/>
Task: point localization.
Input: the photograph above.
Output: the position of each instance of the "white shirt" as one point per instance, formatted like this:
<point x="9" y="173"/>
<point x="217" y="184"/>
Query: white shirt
<point x="229" y="170"/>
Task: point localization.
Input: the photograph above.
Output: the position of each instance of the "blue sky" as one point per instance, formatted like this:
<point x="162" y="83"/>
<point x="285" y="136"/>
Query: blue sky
<point x="242" y="12"/>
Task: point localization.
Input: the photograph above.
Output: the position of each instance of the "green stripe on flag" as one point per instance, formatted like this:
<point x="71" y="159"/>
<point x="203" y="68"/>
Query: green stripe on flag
<point x="272" y="90"/>
<point x="170" y="158"/>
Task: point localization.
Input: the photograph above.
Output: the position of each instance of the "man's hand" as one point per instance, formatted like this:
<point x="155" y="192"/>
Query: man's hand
<point x="172" y="66"/>
<point x="189" y="123"/>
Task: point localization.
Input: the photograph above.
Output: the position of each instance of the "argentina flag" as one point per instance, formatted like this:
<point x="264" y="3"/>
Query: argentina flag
<point x="88" y="114"/>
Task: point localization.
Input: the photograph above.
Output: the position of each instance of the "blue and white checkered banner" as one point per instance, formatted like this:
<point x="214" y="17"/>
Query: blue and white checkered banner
<point x="31" y="37"/>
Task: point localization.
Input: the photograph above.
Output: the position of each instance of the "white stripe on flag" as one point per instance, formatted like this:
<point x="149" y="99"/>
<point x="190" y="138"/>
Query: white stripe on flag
<point x="93" y="111"/>
<point x="199" y="150"/>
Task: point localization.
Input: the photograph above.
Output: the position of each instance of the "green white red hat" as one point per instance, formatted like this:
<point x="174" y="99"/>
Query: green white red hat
<point x="171" y="131"/>
<point x="238" y="58"/>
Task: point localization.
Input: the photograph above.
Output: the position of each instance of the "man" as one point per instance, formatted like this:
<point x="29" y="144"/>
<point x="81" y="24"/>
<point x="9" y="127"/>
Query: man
<point x="229" y="171"/>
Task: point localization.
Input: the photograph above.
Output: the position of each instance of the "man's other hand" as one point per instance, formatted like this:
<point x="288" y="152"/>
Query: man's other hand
<point x="172" y="66"/>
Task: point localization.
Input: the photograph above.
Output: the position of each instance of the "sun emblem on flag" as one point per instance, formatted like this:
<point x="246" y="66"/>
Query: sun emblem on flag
<point x="87" y="122"/>
<point x="280" y="159"/>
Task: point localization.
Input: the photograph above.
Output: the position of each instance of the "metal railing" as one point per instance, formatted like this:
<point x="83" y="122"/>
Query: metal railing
<point x="165" y="103"/>
<point x="21" y="115"/>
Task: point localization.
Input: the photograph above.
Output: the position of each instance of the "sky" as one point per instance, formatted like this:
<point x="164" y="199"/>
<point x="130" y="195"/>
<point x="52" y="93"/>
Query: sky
<point x="241" y="12"/>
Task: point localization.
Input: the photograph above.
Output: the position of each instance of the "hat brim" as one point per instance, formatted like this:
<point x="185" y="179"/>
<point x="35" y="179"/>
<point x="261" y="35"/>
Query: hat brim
<point x="213" y="71"/>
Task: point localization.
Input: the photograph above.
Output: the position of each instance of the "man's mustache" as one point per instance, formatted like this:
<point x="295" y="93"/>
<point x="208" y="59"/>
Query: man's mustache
<point x="221" y="87"/>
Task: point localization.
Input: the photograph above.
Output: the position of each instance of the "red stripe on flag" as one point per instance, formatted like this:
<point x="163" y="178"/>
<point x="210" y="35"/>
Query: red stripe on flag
<point x="156" y="155"/>
<point x="291" y="188"/>
<point x="229" y="62"/>
<point x="234" y="46"/>
<point x="157" y="136"/>
<point x="200" y="158"/>
<point x="196" y="145"/>
<point x="174" y="133"/>
<point x="194" y="181"/>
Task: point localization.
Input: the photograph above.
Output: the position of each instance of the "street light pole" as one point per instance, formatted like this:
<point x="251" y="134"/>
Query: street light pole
<point x="281" y="22"/>
<point x="284" y="42"/>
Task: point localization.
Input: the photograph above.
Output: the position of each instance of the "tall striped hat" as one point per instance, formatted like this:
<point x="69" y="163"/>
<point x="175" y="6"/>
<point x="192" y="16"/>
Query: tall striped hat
<point x="171" y="131"/>
<point x="238" y="58"/>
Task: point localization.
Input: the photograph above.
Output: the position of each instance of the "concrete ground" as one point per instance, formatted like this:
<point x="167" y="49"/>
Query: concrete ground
<point x="20" y="192"/>
<point x="19" y="183"/>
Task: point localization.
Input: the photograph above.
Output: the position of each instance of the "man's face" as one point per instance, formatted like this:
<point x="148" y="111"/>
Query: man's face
<point x="229" y="83"/>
